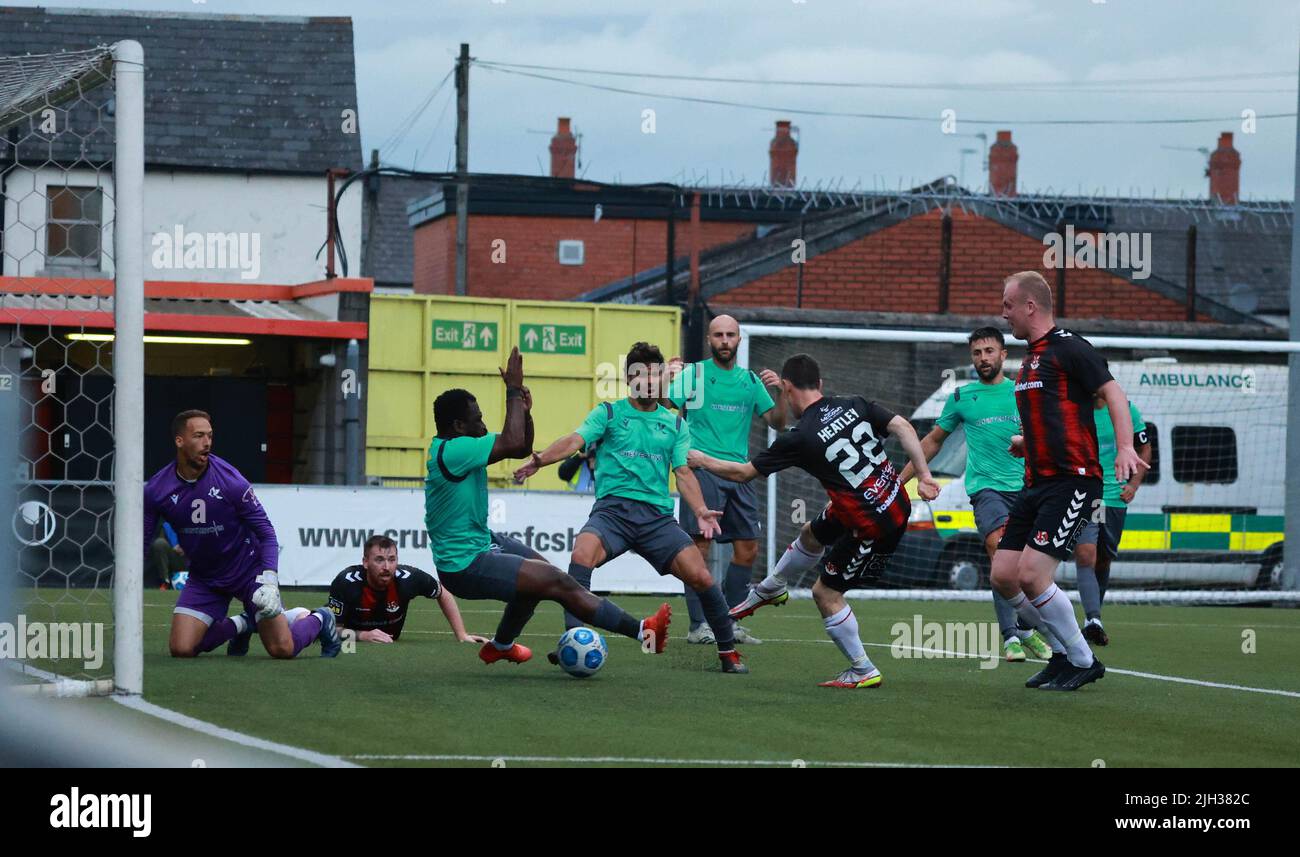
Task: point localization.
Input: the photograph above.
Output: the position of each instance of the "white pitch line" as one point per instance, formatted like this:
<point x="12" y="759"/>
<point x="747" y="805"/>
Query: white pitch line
<point x="193" y="723"/>
<point x="202" y="726"/>
<point x="1269" y="691"/>
<point x="634" y="760"/>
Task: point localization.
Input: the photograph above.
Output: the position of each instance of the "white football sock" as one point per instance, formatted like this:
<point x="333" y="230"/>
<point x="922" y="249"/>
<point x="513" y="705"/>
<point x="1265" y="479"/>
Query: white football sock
<point x="1058" y="614"/>
<point x="293" y="614"/>
<point x="843" y="629"/>
<point x="1029" y="614"/>
<point x="795" y="561"/>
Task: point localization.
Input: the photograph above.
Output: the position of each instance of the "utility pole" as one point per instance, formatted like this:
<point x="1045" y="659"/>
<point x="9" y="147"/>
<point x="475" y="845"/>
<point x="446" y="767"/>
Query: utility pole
<point x="462" y="170"/>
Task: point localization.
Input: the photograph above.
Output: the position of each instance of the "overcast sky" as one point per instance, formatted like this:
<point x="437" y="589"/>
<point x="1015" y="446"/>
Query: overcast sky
<point x="405" y="47"/>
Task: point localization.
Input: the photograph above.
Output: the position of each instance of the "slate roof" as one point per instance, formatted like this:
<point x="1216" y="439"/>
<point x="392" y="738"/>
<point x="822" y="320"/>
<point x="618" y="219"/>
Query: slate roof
<point x="1243" y="260"/>
<point x="223" y="92"/>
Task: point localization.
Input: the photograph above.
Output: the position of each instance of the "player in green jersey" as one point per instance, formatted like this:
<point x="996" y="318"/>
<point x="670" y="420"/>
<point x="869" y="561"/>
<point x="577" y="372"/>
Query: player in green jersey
<point x="475" y="563"/>
<point x="993" y="477"/>
<point x="641" y="442"/>
<point x="719" y="401"/>
<point x="1098" y="543"/>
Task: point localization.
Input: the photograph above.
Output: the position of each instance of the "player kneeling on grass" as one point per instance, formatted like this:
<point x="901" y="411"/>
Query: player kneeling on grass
<point x="371" y="598"/>
<point x="839" y="440"/>
<point x="472" y="563"/>
<point x="232" y="550"/>
<point x="640" y="442"/>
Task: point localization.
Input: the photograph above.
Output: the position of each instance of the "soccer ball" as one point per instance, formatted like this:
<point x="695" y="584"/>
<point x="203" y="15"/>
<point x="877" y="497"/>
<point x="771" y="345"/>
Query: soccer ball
<point x="581" y="652"/>
<point x="179" y="579"/>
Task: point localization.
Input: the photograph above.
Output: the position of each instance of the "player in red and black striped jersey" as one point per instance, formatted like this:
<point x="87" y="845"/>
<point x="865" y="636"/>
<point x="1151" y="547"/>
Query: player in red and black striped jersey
<point x="839" y="440"/>
<point x="371" y="599"/>
<point x="1059" y="376"/>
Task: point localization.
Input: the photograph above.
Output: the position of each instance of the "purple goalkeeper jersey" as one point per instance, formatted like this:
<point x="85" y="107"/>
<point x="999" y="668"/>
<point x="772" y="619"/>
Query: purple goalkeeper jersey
<point x="219" y="522"/>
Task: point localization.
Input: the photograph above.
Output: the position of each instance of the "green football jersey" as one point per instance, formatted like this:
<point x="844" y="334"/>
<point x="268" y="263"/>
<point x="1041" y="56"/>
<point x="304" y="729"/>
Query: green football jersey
<point x="990" y="415"/>
<point x="719" y="403"/>
<point x="456" y="500"/>
<point x="1111" y="487"/>
<point x="637" y="451"/>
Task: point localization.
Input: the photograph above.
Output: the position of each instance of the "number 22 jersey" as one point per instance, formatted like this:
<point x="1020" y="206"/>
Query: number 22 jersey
<point x="840" y="441"/>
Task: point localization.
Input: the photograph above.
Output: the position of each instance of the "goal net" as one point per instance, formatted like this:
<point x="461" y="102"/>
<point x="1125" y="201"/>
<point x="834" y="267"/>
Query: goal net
<point x="71" y="242"/>
<point x="1205" y="526"/>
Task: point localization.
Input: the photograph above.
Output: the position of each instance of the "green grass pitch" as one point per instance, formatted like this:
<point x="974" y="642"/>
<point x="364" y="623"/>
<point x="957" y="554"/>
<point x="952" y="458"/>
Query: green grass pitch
<point x="429" y="698"/>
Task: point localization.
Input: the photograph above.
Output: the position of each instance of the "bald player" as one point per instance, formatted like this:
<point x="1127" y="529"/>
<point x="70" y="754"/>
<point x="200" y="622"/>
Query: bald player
<point x="719" y="400"/>
<point x="1059" y="376"/>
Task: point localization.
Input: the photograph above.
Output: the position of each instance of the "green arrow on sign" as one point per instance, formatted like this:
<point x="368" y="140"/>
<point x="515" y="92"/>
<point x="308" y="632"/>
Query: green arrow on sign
<point x="553" y="338"/>
<point x="463" y="335"/>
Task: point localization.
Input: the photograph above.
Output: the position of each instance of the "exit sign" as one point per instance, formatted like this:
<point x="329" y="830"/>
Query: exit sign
<point x="553" y="338"/>
<point x="464" y="335"/>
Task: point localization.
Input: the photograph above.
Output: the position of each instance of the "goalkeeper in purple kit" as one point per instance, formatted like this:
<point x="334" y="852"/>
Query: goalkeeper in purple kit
<point x="232" y="550"/>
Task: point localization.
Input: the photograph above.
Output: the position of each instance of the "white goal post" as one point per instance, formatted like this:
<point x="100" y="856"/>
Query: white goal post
<point x="755" y="336"/>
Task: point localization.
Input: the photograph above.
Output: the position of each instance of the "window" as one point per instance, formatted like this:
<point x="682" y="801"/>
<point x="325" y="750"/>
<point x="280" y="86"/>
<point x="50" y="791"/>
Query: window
<point x="1205" y="454"/>
<point x="1153" y="475"/>
<point x="571" y="252"/>
<point x="74" y="227"/>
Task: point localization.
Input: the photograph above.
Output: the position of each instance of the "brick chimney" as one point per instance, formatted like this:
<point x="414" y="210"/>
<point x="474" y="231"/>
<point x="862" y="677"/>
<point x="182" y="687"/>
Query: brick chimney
<point x="564" y="150"/>
<point x="1225" y="171"/>
<point x="1003" y="156"/>
<point x="782" y="154"/>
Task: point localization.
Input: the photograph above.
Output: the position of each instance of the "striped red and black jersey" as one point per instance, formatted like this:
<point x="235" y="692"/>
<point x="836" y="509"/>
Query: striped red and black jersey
<point x="1060" y="373"/>
<point x="362" y="608"/>
<point x="840" y="441"/>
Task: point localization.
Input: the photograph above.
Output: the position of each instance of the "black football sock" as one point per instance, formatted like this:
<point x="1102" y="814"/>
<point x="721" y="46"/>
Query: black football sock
<point x="737" y="583"/>
<point x="513" y="620"/>
<point x="610" y="617"/>
<point x="715" y="611"/>
<point x="582" y="574"/>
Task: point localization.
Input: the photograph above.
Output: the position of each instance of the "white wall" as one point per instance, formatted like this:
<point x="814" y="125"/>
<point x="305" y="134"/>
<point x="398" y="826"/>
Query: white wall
<point x="286" y="213"/>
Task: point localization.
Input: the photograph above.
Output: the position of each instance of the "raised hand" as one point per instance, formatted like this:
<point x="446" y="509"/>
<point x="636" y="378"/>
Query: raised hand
<point x="769" y="378"/>
<point x="513" y="374"/>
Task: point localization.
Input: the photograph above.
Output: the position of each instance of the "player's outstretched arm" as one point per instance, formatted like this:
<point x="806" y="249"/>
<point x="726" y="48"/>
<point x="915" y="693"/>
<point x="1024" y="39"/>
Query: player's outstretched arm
<point x="1127" y="461"/>
<point x="930" y="446"/>
<point x="447" y="603"/>
<point x="557" y="451"/>
<point x="732" y="471"/>
<point x="900" y="428"/>
<point x="689" y="487"/>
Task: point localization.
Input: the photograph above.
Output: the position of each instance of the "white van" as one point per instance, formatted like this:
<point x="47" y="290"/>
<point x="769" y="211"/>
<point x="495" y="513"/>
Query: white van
<point x="1209" y="511"/>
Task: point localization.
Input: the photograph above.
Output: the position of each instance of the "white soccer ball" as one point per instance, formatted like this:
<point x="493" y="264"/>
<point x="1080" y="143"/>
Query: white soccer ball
<point x="179" y="579"/>
<point x="581" y="652"/>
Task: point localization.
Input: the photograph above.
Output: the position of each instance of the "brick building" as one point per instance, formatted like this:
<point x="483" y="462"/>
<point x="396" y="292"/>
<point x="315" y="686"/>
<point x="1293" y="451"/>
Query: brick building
<point x="939" y="248"/>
